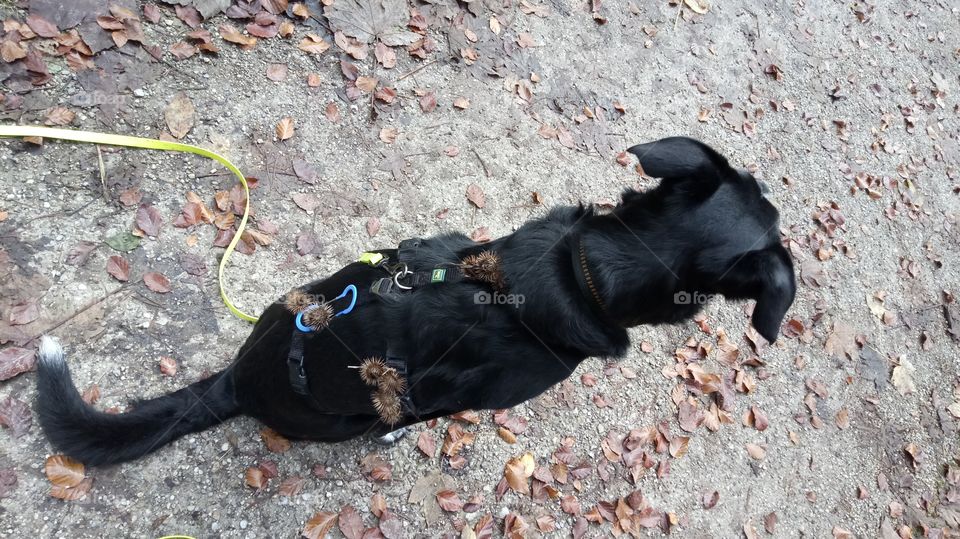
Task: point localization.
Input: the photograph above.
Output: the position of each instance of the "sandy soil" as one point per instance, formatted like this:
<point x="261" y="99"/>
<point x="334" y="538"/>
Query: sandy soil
<point x="833" y="103"/>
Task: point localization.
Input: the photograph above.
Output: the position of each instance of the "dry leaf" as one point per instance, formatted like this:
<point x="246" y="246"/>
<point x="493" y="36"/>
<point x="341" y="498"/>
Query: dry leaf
<point x="168" y="366"/>
<point x="285" y="128"/>
<point x="156" y="282"/>
<point x="254" y="478"/>
<point x="275" y="442"/>
<point x="179" y="115"/>
<point x="902" y="377"/>
<point x="475" y="195"/>
<point x="756" y="452"/>
<point x="63" y="471"/>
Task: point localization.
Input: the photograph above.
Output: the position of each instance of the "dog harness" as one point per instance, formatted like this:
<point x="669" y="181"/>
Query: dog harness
<point x="389" y="377"/>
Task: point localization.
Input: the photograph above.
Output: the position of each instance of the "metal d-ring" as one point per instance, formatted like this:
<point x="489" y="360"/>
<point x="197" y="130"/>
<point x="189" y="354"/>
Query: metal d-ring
<point x="403" y="273"/>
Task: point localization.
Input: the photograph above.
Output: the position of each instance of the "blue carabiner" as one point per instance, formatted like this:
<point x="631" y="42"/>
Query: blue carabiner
<point x="353" y="300"/>
<point x="299" y="319"/>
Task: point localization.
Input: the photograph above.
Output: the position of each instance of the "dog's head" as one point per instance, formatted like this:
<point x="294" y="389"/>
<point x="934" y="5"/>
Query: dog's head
<point x="729" y="229"/>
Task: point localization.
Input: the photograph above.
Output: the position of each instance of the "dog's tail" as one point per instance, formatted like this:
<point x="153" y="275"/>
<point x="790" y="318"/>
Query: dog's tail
<point x="95" y="437"/>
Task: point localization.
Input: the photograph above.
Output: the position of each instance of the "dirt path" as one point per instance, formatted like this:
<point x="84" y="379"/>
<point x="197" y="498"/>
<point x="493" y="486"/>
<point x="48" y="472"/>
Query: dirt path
<point x="846" y="427"/>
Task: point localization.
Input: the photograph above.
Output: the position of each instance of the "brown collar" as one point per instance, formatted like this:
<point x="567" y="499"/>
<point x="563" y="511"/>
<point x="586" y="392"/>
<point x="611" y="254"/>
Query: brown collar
<point x="587" y="283"/>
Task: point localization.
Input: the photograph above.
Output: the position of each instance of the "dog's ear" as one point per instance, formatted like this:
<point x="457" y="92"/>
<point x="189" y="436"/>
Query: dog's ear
<point x="765" y="275"/>
<point x="678" y="158"/>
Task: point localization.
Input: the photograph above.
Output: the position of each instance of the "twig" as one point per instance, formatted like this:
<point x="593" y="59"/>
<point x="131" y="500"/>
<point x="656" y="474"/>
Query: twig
<point x="482" y="162"/>
<point x="103" y="175"/>
<point x="417" y="70"/>
<point x="78" y="313"/>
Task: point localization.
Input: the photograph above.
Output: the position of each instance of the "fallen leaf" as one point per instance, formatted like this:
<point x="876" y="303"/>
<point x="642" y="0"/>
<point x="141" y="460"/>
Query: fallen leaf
<point x="230" y="33"/>
<point x="254" y="478"/>
<point x="449" y="501"/>
<point x="275" y="442"/>
<point x="372" y="20"/>
<point x="63" y="471"/>
<point x="80" y="252"/>
<point x="428" y="102"/>
<point x="427" y="444"/>
<point x="24" y="313"/>
<point x="59" y="116"/>
<point x="389" y="134"/>
<point x="291" y="486"/>
<point x="313" y="44"/>
<point x="15" y="415"/>
<point x="179" y="115"/>
<point x="475" y="195"/>
<point x="461" y="103"/>
<point x="149" y="220"/>
<point x="390" y="525"/>
<point x="119" y="268"/>
<point x="710" y="499"/>
<point x="698" y="6"/>
<point x="756" y="452"/>
<point x="902" y="377"/>
<point x="156" y="282"/>
<point x="277" y="72"/>
<point x="285" y="128"/>
<point x="168" y="366"/>
<point x="14" y="361"/>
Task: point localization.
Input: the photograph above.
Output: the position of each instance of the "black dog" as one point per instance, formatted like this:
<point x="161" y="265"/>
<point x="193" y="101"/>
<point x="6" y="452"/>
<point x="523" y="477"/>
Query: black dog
<point x="444" y="324"/>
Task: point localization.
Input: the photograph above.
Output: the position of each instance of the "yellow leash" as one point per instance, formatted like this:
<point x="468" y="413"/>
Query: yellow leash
<point x="150" y="144"/>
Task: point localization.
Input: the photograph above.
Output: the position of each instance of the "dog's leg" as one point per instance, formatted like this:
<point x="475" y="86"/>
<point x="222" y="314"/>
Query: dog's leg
<point x="391" y="438"/>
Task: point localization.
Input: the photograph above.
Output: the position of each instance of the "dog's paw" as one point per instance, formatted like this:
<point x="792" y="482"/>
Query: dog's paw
<point x="391" y="438"/>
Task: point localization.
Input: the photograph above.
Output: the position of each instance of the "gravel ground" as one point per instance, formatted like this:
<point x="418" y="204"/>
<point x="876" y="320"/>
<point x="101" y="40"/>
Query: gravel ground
<point x="847" y="104"/>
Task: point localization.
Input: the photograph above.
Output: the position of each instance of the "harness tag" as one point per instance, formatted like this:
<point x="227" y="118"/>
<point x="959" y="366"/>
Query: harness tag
<point x="438" y="275"/>
<point x="371" y="259"/>
<point x="298" y="380"/>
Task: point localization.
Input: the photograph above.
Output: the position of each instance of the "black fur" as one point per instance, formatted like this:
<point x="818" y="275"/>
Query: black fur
<point x="706" y="229"/>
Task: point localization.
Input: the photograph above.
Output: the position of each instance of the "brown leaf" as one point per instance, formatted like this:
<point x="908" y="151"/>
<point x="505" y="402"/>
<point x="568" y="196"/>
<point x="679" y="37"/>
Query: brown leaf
<point x="42" y="27"/>
<point x="428" y="102"/>
<point x="756" y="452"/>
<point x="119" y="268"/>
<point x="770" y="522"/>
<point x="313" y="44"/>
<point x="307" y="201"/>
<point x="390" y="525"/>
<point x="350" y="523"/>
<point x="389" y="134"/>
<point x="149" y="220"/>
<point x="15" y="415"/>
<point x="378" y="505"/>
<point x="277" y="72"/>
<point x="710" y="499"/>
<point x="291" y="486"/>
<point x="14" y="361"/>
<point x="427" y="444"/>
<point x="24" y="313"/>
<point x="841" y="341"/>
<point x="179" y="115"/>
<point x="156" y="282"/>
<point x="678" y="446"/>
<point x="332" y="112"/>
<point x="475" y="195"/>
<point x="318" y="526"/>
<point x="230" y="33"/>
<point x="385" y="55"/>
<point x="168" y="366"/>
<point x="254" y="478"/>
<point x="275" y="442"/>
<point x="91" y="395"/>
<point x="63" y="471"/>
<point x="80" y="252"/>
<point x="72" y="493"/>
<point x="285" y="128"/>
<point x="367" y="84"/>
<point x="59" y="116"/>
<point x="449" y="501"/>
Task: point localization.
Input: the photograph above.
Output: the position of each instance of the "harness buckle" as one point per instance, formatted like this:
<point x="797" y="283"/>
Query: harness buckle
<point x="382" y="286"/>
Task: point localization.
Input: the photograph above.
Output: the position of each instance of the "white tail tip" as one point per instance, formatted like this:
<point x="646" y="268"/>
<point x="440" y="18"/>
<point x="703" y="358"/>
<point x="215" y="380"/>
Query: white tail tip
<point x="50" y="349"/>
